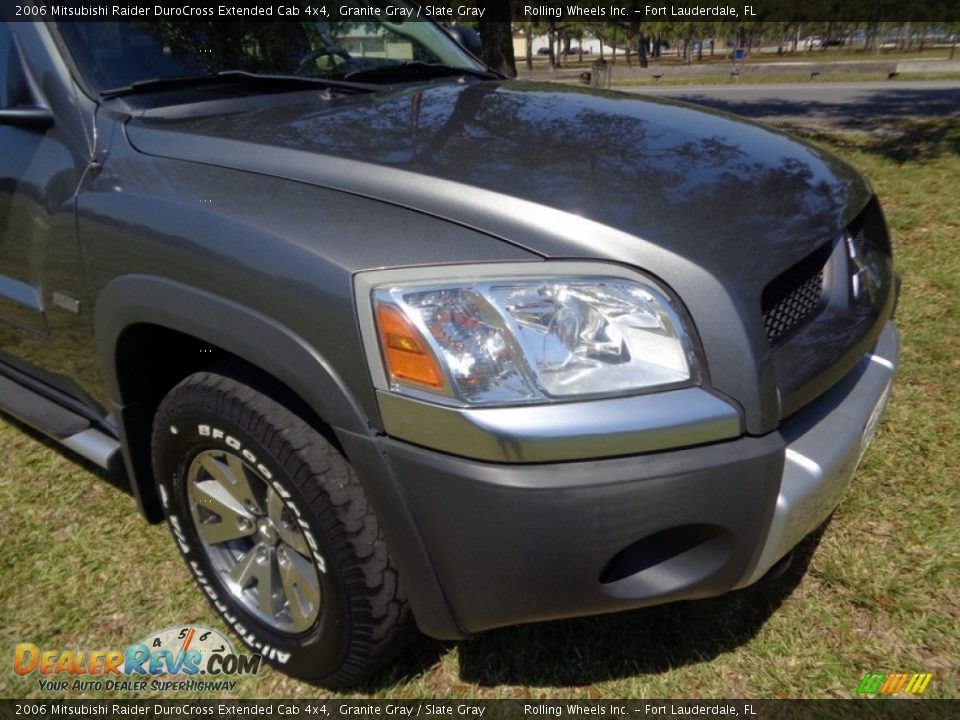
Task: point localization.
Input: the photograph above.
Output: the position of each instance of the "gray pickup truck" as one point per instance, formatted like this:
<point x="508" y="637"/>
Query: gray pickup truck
<point x="387" y="338"/>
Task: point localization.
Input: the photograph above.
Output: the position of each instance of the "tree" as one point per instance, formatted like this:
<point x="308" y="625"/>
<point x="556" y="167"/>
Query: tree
<point x="528" y="44"/>
<point x="497" y="48"/>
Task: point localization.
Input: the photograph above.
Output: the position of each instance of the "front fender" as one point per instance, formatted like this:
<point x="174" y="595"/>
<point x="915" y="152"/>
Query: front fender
<point x="244" y="332"/>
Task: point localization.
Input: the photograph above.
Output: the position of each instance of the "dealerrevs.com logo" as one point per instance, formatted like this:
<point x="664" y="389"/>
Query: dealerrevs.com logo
<point x="188" y="658"/>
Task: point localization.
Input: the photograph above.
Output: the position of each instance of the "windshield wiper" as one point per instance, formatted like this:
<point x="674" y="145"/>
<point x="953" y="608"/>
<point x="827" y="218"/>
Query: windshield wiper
<point x="233" y="76"/>
<point x="418" y="70"/>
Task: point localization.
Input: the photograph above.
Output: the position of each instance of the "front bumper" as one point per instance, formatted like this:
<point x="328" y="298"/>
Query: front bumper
<point x="514" y="543"/>
<point x="825" y="443"/>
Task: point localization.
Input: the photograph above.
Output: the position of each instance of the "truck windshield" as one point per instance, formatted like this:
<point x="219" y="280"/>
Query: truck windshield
<point x="111" y="55"/>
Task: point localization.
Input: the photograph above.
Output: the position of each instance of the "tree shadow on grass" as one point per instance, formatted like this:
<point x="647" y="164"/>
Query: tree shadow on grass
<point x="899" y="124"/>
<point x="901" y="140"/>
<point x="859" y="112"/>
<point x="589" y="650"/>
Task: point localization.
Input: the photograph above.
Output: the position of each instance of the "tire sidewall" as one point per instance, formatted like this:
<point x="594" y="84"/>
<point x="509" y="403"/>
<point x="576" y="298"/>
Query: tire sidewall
<point x="180" y="435"/>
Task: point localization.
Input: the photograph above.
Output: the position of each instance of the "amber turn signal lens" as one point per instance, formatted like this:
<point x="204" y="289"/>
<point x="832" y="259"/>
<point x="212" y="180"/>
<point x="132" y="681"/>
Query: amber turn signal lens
<point x="407" y="354"/>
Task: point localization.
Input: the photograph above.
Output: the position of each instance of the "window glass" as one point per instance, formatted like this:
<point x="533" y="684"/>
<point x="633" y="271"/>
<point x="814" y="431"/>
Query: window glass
<point x="117" y="54"/>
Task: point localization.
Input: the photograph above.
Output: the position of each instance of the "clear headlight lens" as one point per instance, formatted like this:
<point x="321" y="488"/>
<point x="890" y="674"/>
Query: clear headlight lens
<point x="532" y="340"/>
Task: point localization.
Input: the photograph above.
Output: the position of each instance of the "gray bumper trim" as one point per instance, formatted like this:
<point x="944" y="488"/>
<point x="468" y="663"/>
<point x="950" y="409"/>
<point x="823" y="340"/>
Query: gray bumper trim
<point x="823" y="450"/>
<point x="565" y="431"/>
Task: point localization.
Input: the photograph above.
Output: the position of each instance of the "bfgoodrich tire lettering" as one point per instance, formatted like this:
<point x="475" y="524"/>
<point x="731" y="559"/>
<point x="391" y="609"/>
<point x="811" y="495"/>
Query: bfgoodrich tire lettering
<point x="257" y="499"/>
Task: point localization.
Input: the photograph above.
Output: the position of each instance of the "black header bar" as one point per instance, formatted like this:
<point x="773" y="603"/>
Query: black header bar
<point x="543" y="13"/>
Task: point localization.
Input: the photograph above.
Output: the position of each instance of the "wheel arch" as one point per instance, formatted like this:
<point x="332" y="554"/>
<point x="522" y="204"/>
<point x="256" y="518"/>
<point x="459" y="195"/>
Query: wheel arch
<point x="139" y="316"/>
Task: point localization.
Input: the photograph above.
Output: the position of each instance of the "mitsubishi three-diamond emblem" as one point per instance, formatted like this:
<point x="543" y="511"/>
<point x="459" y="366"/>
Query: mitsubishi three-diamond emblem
<point x="864" y="277"/>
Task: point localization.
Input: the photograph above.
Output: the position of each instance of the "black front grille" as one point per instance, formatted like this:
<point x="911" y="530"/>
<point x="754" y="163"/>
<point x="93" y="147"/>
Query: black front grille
<point x="795" y="295"/>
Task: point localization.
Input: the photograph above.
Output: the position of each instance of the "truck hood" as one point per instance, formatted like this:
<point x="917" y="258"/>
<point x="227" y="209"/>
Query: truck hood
<point x="712" y="206"/>
<point x="562" y="171"/>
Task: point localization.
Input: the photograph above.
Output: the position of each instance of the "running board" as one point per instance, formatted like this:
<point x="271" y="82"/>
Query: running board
<point x="95" y="446"/>
<point x="69" y="429"/>
<point x="39" y="412"/>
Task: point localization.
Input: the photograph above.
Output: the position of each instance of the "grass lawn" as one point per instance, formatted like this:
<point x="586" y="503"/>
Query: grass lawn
<point x="879" y="592"/>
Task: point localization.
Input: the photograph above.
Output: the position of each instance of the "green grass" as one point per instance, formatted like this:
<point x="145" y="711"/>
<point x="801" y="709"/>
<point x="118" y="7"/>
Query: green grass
<point x="879" y="593"/>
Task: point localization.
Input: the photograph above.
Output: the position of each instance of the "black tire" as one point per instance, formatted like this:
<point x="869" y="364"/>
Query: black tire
<point x="355" y="614"/>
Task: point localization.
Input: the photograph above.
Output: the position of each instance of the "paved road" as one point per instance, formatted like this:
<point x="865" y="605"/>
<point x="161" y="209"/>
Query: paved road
<point x="839" y="104"/>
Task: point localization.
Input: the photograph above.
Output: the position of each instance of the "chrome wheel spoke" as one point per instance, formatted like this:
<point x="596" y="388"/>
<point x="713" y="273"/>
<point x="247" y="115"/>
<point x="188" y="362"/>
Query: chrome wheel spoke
<point x="232" y="475"/>
<point x="258" y="567"/>
<point x="300" y="586"/>
<point x="268" y="588"/>
<point x="274" y="507"/>
<point x="234" y="519"/>
<point x="244" y="573"/>
<point x="214" y="533"/>
<point x="286" y="524"/>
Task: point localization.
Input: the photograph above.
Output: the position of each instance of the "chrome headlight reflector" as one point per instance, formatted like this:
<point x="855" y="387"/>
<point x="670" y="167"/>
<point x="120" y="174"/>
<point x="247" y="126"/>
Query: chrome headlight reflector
<point x="507" y="340"/>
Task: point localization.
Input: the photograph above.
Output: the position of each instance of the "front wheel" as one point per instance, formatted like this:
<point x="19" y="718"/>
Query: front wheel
<point x="277" y="531"/>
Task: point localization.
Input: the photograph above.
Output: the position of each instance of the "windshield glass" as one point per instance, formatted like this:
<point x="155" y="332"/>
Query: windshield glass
<point x="112" y="55"/>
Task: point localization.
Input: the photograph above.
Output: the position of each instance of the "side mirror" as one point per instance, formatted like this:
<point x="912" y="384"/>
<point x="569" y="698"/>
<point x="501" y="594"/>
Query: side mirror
<point x="34" y="117"/>
<point x="467" y="38"/>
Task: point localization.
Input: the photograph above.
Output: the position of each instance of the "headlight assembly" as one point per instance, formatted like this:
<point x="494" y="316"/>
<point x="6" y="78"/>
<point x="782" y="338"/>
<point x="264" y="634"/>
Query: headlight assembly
<point x="489" y="340"/>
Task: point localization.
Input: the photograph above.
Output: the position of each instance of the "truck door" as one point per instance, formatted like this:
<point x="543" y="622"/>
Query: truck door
<point x="41" y="163"/>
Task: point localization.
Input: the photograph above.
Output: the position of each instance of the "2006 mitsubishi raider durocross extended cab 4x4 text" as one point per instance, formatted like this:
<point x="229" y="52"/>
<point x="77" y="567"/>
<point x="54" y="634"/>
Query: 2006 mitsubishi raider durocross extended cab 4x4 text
<point x="387" y="338"/>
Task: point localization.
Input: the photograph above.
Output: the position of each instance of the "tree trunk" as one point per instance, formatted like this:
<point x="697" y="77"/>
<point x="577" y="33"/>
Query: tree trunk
<point x="528" y="36"/>
<point x="564" y="49"/>
<point x="497" y="49"/>
<point x="552" y="35"/>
